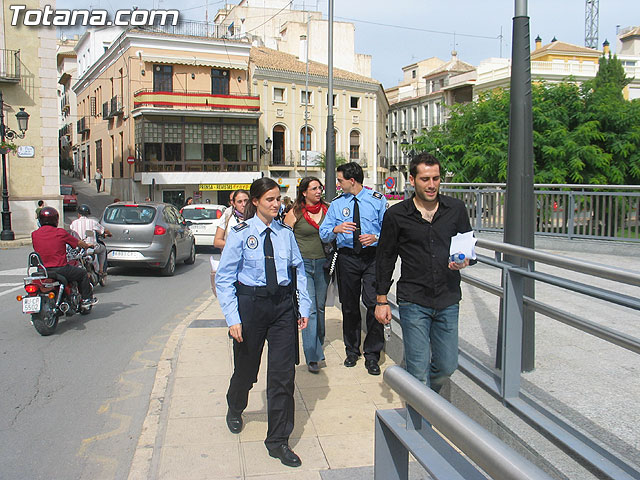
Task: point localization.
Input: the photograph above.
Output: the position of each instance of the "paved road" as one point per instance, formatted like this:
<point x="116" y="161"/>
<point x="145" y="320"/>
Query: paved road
<point x="72" y="404"/>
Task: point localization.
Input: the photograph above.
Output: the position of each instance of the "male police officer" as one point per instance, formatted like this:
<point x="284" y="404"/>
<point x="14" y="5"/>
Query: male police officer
<point x="354" y="220"/>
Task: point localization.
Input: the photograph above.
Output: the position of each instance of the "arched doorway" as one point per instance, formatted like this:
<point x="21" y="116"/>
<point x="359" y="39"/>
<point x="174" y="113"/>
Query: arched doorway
<point x="278" y="148"/>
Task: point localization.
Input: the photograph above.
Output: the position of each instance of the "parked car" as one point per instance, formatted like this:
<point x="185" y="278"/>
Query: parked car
<point x="151" y="234"/>
<point x="70" y="197"/>
<point x="203" y="220"/>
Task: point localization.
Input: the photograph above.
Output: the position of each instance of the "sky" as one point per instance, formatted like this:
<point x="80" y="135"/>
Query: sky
<point x="400" y="32"/>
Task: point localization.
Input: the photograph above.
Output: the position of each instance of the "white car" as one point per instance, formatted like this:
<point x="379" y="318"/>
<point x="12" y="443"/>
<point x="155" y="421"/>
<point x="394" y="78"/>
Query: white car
<point x="203" y="220"/>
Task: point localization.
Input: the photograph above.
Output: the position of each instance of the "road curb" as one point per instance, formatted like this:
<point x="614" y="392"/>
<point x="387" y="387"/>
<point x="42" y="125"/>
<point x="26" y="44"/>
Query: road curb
<point x="17" y="243"/>
<point x="143" y="455"/>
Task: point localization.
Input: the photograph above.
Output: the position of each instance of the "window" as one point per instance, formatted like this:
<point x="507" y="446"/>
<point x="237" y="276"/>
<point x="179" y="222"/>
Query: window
<point x="414" y="120"/>
<point x="394" y="125"/>
<point x="305" y="143"/>
<point x="278" y="94"/>
<point x="335" y="100"/>
<point x="354" y="145"/>
<point x="163" y="78"/>
<point x="355" y="102"/>
<point x="413" y="74"/>
<point x="219" y="82"/>
<point x="99" y="154"/>
<point x="425" y="114"/>
<point x="306" y="97"/>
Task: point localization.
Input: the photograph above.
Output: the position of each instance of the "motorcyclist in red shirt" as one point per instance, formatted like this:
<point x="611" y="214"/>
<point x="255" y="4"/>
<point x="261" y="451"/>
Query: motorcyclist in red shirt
<point x="50" y="242"/>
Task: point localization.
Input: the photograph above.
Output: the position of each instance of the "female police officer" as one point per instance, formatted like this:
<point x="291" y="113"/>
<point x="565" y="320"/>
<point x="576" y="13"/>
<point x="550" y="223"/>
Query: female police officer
<point x="256" y="295"/>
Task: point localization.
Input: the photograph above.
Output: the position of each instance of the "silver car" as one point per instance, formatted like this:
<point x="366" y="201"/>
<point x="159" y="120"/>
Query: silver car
<point x="151" y="234"/>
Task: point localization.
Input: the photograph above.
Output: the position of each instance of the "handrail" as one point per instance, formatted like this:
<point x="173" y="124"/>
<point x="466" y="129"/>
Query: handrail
<point x="601" y="271"/>
<point x="488" y="452"/>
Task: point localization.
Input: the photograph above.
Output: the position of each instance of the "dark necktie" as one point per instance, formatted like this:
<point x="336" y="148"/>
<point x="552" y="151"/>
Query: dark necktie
<point x="270" y="264"/>
<point x="357" y="246"/>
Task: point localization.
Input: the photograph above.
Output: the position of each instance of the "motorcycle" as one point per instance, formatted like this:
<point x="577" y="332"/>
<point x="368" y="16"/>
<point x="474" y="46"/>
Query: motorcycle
<point x="90" y="262"/>
<point x="49" y="295"/>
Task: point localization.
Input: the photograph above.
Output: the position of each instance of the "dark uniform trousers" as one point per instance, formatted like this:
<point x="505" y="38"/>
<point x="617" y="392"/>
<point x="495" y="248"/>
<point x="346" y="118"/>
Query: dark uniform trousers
<point x="271" y="319"/>
<point x="356" y="276"/>
<point x="75" y="274"/>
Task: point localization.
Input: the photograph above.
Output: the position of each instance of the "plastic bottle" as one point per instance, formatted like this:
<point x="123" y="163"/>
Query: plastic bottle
<point x="458" y="258"/>
<point x="387" y="331"/>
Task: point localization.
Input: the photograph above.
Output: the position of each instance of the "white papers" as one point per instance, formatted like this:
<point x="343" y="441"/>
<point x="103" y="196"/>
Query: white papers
<point x="464" y="243"/>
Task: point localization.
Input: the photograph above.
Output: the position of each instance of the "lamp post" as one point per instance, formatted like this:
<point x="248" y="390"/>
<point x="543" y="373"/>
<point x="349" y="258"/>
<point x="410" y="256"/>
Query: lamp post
<point x="8" y="134"/>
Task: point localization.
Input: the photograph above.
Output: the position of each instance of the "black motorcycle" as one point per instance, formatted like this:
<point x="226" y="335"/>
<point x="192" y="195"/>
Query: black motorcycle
<point x="50" y="295"/>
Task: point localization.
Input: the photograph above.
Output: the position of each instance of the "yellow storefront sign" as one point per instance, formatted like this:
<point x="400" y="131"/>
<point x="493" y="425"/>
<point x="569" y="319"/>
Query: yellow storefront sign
<point x="211" y="187"/>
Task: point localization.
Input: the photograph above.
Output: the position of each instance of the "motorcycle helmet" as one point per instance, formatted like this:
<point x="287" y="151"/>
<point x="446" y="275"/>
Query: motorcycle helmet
<point x="84" y="210"/>
<point x="48" y="216"/>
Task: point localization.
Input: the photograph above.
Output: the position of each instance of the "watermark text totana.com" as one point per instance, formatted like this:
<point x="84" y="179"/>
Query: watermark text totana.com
<point x="21" y="15"/>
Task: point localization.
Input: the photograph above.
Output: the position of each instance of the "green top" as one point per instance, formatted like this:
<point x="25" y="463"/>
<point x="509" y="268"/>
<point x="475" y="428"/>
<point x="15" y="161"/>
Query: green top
<point x="308" y="239"/>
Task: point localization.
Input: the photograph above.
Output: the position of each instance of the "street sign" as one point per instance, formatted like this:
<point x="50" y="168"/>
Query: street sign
<point x="390" y="182"/>
<point x="131" y="160"/>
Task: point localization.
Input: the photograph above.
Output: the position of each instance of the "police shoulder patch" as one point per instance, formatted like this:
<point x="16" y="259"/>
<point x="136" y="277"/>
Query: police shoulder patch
<point x="241" y="226"/>
<point x="377" y="195"/>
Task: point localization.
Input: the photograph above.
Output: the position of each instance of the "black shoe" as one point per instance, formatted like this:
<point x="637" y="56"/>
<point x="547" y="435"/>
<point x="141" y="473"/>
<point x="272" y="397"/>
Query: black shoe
<point x="350" y="361"/>
<point x="313" y="367"/>
<point x="286" y="455"/>
<point x="372" y="367"/>
<point x="89" y="302"/>
<point x="234" y="422"/>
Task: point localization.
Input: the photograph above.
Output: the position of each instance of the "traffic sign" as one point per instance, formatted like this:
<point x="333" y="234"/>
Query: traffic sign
<point x="131" y="160"/>
<point x="390" y="182"/>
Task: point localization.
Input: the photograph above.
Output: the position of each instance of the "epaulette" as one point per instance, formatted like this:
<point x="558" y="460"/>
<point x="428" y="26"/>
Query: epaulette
<point x="377" y="195"/>
<point x="286" y="226"/>
<point x="338" y="196"/>
<point x="240" y="227"/>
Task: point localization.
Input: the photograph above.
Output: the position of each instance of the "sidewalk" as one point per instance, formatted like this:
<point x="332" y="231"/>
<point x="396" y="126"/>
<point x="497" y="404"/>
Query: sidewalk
<point x="185" y="433"/>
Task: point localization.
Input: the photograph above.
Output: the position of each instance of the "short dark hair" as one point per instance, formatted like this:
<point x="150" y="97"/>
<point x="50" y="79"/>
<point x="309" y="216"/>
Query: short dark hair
<point x="40" y="203"/>
<point x="352" y="170"/>
<point x="258" y="188"/>
<point x="424" y="158"/>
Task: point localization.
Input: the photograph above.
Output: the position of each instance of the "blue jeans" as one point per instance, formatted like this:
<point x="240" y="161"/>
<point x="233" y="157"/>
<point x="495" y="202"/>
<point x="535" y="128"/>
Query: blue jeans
<point x="430" y="342"/>
<point x="317" y="283"/>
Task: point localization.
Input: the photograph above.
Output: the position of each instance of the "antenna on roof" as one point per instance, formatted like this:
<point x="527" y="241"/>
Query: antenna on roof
<point x="591" y="16"/>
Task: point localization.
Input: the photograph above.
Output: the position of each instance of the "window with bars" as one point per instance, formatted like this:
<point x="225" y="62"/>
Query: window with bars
<point x="163" y="78"/>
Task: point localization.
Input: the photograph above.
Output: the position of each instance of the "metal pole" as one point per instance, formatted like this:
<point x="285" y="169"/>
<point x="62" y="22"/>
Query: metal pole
<point x="7" y="233"/>
<point x="330" y="157"/>
<point x="520" y="199"/>
<point x="306" y="104"/>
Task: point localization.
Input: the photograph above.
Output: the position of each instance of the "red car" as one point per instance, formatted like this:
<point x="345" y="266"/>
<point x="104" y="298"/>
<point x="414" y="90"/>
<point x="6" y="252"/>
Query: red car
<point x="70" y="195"/>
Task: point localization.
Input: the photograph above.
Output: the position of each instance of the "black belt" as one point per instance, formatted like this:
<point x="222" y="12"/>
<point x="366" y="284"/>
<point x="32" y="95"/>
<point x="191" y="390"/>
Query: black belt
<point x="368" y="251"/>
<point x="262" y="291"/>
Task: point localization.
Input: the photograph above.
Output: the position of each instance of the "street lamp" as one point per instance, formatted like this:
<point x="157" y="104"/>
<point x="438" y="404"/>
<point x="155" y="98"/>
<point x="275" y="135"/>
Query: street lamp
<point x="268" y="142"/>
<point x="8" y="134"/>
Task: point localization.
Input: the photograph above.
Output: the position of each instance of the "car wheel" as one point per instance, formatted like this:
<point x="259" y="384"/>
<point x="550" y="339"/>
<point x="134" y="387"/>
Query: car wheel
<point x="170" y="268"/>
<point x="192" y="256"/>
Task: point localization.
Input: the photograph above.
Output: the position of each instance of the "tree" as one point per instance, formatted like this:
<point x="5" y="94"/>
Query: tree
<point x="582" y="134"/>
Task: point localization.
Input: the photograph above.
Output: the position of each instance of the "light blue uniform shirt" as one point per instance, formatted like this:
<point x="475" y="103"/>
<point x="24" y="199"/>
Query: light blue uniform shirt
<point x="372" y="206"/>
<point x="242" y="260"/>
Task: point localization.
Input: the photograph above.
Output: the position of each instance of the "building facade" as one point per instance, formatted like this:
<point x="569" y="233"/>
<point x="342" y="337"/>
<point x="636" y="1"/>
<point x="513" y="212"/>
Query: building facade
<point x="67" y="104"/>
<point x="297" y="147"/>
<point x="169" y="116"/>
<point x="28" y="79"/>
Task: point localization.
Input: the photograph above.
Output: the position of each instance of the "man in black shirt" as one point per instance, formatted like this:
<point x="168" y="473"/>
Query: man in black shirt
<point x="419" y="229"/>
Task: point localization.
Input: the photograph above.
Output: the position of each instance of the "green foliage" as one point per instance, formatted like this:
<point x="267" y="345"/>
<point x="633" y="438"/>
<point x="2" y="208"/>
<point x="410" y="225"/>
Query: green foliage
<point x="581" y="134"/>
<point x="66" y="164"/>
<point x="340" y="160"/>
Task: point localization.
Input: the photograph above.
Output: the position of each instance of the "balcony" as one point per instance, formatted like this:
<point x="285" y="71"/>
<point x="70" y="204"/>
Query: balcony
<point x="282" y="158"/>
<point x="82" y="125"/>
<point x="192" y="28"/>
<point x="64" y="103"/>
<point x="115" y="106"/>
<point x="9" y="65"/>
<point x="194" y="100"/>
<point x="65" y="130"/>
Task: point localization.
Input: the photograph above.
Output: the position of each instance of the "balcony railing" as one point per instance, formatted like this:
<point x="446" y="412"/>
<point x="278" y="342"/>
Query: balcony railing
<point x="191" y="28"/>
<point x="282" y="158"/>
<point x="65" y="130"/>
<point x="82" y="125"/>
<point x="195" y="100"/>
<point x="64" y="103"/>
<point x="115" y="106"/>
<point x="9" y="65"/>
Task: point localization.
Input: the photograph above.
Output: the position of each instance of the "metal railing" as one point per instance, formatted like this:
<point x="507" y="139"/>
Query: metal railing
<point x="195" y="99"/>
<point x="9" y="65"/>
<point x="505" y="383"/>
<point x="115" y="106"/>
<point x="574" y="211"/>
<point x="193" y="28"/>
<point x="398" y="433"/>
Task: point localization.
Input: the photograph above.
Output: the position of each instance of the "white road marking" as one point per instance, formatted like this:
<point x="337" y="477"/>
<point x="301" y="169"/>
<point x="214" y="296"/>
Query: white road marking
<point x="11" y="290"/>
<point x="9" y="284"/>
<point x="16" y="271"/>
